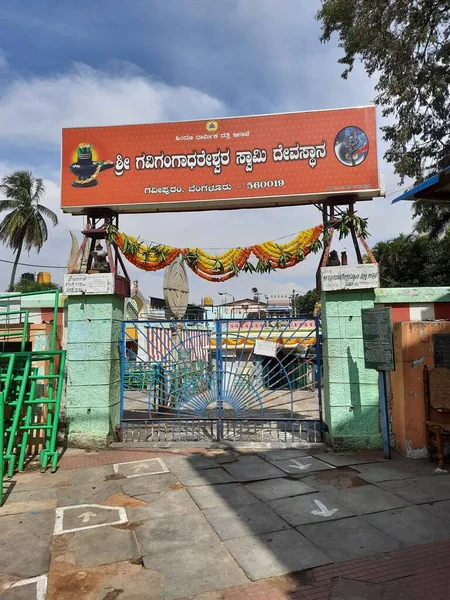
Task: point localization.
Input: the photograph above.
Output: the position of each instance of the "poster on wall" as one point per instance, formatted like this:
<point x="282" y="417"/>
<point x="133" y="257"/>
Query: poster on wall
<point x="377" y="338"/>
<point x="238" y="162"/>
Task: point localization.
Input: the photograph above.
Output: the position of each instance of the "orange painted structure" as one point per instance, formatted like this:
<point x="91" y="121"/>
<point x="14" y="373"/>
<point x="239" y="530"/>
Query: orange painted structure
<point x="413" y="343"/>
<point x="237" y="162"/>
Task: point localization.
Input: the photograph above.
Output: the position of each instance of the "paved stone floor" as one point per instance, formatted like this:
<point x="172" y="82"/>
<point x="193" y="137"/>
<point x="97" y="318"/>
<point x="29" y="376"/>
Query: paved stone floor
<point x="232" y="525"/>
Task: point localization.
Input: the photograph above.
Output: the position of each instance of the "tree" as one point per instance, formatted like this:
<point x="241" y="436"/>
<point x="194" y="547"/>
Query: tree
<point x="414" y="261"/>
<point x="402" y="260"/>
<point x="24" y="286"/>
<point x="24" y="226"/>
<point x="432" y="218"/>
<point x="406" y="44"/>
<point x="304" y="305"/>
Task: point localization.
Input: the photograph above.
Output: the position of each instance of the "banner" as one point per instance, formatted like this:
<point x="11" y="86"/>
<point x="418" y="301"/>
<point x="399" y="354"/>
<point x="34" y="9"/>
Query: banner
<point x="242" y="162"/>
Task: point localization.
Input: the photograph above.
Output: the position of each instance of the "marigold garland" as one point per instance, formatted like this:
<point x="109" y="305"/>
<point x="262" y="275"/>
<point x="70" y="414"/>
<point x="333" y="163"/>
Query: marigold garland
<point x="220" y="267"/>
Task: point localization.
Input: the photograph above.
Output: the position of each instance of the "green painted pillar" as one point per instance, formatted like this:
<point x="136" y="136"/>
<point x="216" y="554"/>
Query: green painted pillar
<point x="351" y="404"/>
<point x="93" y="367"/>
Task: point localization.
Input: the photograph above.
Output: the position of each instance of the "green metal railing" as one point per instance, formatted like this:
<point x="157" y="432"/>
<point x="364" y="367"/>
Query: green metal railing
<point x="2" y="458"/>
<point x="8" y="297"/>
<point x="30" y="399"/>
<point x="16" y="333"/>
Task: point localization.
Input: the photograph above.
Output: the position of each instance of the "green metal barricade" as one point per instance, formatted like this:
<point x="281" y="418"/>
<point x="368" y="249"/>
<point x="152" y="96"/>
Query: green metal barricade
<point x="31" y="385"/>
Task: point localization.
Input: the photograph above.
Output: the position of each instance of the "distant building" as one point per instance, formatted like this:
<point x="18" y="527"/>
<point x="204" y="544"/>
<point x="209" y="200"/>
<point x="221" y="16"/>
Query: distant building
<point x="242" y="309"/>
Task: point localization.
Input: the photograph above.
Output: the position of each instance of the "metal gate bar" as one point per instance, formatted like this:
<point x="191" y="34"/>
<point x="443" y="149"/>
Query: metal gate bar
<point x="228" y="380"/>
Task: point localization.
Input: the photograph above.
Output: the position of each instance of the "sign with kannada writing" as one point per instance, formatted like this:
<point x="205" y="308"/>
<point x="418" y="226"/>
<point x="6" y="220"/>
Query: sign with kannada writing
<point x="350" y="277"/>
<point x="377" y="339"/>
<point x="265" y="348"/>
<point x="85" y="283"/>
<point x="242" y="162"/>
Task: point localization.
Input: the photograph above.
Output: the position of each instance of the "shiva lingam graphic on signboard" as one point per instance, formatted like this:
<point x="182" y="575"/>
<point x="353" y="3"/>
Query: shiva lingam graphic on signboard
<point x="86" y="169"/>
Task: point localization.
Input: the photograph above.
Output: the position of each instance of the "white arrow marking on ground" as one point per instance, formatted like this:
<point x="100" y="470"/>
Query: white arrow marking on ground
<point x="323" y="510"/>
<point x="298" y="465"/>
<point x="140" y="467"/>
<point x="86" y="516"/>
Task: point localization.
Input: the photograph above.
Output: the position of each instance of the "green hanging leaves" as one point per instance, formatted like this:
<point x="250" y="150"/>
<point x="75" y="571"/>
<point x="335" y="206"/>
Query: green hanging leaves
<point x="349" y="220"/>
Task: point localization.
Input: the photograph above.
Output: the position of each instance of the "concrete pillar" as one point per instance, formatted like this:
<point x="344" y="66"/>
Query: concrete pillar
<point x="93" y="367"/>
<point x="351" y="402"/>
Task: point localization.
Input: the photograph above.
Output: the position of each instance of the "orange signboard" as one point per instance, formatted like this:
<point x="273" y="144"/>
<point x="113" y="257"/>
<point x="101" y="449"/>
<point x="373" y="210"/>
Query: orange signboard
<point x="242" y="162"/>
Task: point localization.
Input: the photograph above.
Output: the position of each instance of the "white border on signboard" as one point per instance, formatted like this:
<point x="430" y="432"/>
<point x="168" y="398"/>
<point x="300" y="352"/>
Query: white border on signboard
<point x="350" y="277"/>
<point x="162" y="464"/>
<point x="77" y="284"/>
<point x="59" y="525"/>
<point x="247" y="202"/>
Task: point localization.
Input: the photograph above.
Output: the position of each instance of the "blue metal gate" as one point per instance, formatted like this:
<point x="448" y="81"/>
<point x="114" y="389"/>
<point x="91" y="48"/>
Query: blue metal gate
<point x="224" y="380"/>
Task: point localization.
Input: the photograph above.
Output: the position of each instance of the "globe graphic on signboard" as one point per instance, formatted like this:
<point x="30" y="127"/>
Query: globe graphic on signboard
<point x="351" y="146"/>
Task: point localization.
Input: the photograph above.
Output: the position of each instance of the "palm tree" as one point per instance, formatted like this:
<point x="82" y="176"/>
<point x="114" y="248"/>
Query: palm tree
<point x="432" y="218"/>
<point x="24" y="226"/>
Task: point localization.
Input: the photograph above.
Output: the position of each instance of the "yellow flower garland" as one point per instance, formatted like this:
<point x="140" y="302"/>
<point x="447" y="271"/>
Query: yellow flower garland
<point x="220" y="267"/>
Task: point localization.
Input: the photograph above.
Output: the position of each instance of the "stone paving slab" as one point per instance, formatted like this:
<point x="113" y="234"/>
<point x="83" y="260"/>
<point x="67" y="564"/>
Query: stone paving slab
<point x="25" y="589"/>
<point x="407" y="574"/>
<point x="84" y="516"/>
<point x="273" y="489"/>
<point x="102" y="547"/>
<point x="349" y="538"/>
<point x="156" y="506"/>
<point x="340" y="478"/>
<point x="365" y="499"/>
<point x="17" y="502"/>
<point x="415" y="467"/>
<point x="226" y="457"/>
<point x="26" y="592"/>
<point x="417" y="491"/>
<point x="68" y="581"/>
<point x="441" y="509"/>
<point x="411" y="525"/>
<point x="194" y="461"/>
<point x="378" y="472"/>
<point x="33" y="481"/>
<point x="156" y="484"/>
<point x="91" y="475"/>
<point x="180" y="531"/>
<point x="310" y="508"/>
<point x="25" y="543"/>
<point x="205" y="477"/>
<point x="141" y="468"/>
<point x="283" y="454"/>
<point x="90" y="493"/>
<point x="250" y="519"/>
<point x="303" y="466"/>
<point x="40" y="494"/>
<point x="345" y="459"/>
<point x="141" y="585"/>
<point x="225" y="495"/>
<point x="276" y="553"/>
<point x="205" y="567"/>
<point x="252" y="468"/>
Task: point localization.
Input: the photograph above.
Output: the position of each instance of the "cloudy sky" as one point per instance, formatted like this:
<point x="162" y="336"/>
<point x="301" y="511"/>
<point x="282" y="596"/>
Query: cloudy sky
<point x="65" y="64"/>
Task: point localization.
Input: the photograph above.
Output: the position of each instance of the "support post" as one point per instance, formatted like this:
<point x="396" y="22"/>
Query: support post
<point x="351" y="400"/>
<point x="384" y="412"/>
<point x="93" y="368"/>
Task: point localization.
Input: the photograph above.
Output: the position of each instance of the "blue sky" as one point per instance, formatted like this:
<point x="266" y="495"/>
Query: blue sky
<point x="66" y="63"/>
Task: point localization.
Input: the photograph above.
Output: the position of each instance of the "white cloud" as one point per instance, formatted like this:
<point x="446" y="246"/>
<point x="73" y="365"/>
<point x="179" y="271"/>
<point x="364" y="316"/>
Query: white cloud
<point x="3" y="60"/>
<point x="33" y="111"/>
